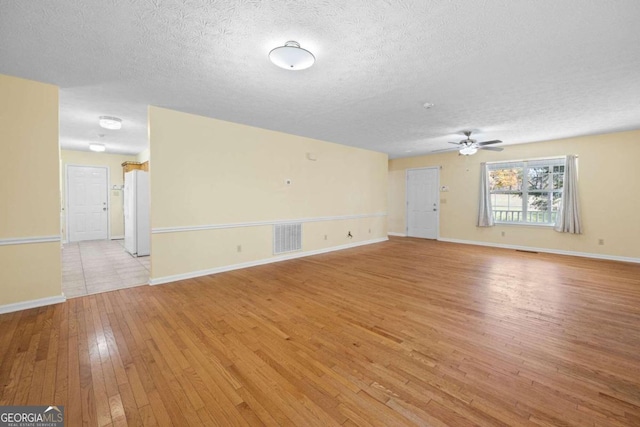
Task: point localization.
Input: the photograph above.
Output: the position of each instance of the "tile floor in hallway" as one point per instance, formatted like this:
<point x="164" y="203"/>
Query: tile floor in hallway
<point x="95" y="266"/>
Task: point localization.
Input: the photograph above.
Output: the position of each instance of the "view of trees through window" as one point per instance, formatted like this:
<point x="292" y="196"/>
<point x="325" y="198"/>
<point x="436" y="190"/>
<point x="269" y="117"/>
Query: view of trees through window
<point x="527" y="191"/>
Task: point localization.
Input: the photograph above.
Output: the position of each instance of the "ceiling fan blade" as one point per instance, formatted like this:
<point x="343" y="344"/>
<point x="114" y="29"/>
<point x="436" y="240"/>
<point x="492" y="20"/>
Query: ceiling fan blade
<point x="456" y="143"/>
<point x="495" y="141"/>
<point x="444" y="150"/>
<point x="491" y="148"/>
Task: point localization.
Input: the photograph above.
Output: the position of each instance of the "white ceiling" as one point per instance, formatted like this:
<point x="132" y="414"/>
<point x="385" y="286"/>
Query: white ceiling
<point x="515" y="70"/>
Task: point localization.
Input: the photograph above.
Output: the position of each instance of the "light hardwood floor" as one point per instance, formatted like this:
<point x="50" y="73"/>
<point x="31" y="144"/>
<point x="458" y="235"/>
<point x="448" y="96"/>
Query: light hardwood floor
<point x="406" y="332"/>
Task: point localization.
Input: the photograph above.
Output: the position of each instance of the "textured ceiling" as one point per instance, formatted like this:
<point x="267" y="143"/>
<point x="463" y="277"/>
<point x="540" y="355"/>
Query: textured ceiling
<point x="515" y="70"/>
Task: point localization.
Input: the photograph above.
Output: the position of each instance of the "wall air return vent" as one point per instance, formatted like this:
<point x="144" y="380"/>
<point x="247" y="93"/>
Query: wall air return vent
<point x="287" y="238"/>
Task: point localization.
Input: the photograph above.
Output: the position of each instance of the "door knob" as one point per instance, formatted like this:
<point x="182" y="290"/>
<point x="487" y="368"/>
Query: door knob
<point x="104" y="209"/>
<point x="434" y="209"/>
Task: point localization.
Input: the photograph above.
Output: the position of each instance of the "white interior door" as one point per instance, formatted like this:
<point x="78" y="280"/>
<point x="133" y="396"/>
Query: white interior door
<point x="423" y="202"/>
<point x="87" y="203"/>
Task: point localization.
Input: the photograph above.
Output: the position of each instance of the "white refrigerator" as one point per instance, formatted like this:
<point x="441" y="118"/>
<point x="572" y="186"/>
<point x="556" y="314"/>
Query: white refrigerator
<point x="137" y="229"/>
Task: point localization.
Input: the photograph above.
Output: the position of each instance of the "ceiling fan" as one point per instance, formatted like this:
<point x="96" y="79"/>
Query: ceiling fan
<point x="471" y="146"/>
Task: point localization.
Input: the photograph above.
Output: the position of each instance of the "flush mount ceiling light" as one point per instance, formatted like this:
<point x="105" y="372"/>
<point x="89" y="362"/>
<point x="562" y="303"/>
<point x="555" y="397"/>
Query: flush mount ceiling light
<point x="292" y="57"/>
<point x="112" y="123"/>
<point x="97" y="147"/>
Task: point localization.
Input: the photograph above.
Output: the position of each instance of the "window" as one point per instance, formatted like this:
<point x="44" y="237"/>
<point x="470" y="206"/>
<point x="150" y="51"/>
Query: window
<point x="526" y="192"/>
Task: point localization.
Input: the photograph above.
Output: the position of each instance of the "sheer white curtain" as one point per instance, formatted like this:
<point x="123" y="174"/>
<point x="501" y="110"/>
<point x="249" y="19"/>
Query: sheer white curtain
<point x="485" y="214"/>
<point x="568" y="219"/>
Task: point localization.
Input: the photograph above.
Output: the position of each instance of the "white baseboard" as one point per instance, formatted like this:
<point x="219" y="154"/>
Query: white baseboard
<point x="545" y="250"/>
<point x="390" y="233"/>
<point x="34" y="303"/>
<point x="192" y="274"/>
<point x="117" y="237"/>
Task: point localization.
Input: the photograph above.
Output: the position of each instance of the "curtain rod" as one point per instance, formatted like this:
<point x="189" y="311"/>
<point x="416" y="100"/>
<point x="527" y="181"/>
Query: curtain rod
<point x="528" y="160"/>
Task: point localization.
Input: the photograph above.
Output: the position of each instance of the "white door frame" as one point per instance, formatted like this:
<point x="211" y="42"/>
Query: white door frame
<point x="406" y="199"/>
<point x="66" y="198"/>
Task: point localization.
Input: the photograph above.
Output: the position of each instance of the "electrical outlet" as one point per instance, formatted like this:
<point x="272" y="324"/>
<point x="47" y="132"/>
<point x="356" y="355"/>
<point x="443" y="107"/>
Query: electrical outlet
<point x="502" y="233"/>
<point x="601" y="241"/>
<point x="325" y="237"/>
<point x="239" y="248"/>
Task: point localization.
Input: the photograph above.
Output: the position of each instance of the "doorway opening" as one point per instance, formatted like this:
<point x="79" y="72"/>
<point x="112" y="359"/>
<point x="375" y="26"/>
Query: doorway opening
<point x="94" y="258"/>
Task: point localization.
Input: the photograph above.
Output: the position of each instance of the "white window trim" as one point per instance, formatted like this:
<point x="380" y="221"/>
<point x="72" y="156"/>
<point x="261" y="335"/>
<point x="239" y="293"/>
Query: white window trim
<point x="525" y="190"/>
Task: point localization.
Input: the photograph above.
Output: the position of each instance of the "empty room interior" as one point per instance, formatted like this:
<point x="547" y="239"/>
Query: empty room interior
<point x="382" y="213"/>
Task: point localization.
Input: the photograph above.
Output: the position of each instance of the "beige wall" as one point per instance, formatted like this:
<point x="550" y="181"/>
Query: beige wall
<point x="29" y="190"/>
<point x="207" y="172"/>
<point x="114" y="163"/>
<point x="608" y="180"/>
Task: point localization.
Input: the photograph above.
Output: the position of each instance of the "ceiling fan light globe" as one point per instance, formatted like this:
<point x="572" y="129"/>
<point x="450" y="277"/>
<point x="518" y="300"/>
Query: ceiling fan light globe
<point x="468" y="150"/>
